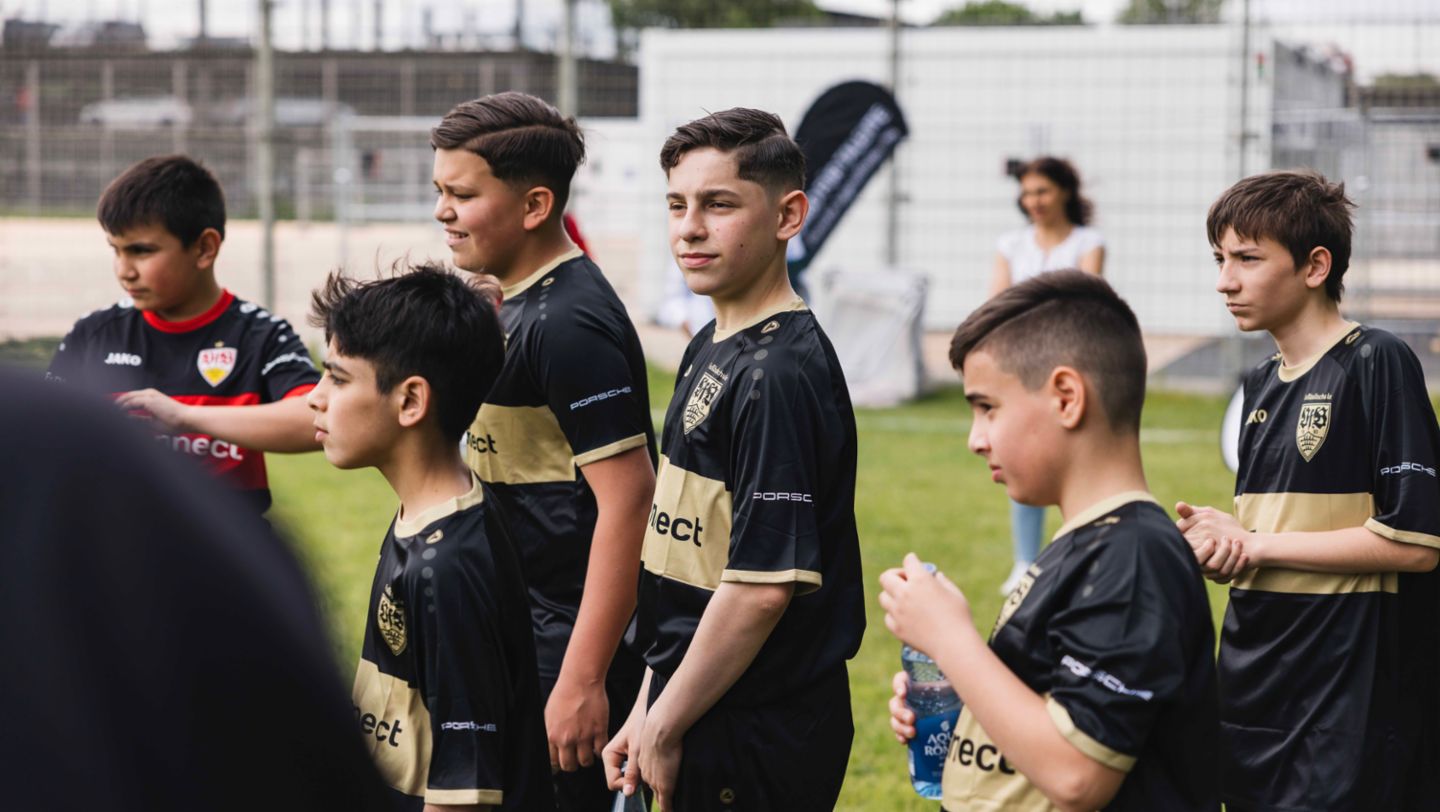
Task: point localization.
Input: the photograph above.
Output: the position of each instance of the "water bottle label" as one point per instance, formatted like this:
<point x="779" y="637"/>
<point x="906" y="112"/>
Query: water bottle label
<point x="931" y="743"/>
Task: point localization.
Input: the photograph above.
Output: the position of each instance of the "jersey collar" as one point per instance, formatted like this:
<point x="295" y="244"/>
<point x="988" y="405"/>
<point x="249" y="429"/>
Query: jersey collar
<point x="1288" y="374"/>
<point x="793" y="305"/>
<point x="413" y="525"/>
<point x="226" y="297"/>
<point x="526" y="283"/>
<point x="1101" y="508"/>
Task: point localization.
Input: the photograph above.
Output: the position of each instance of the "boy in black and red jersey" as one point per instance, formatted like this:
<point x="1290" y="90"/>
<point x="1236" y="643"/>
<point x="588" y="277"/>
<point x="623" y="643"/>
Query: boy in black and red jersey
<point x="218" y="376"/>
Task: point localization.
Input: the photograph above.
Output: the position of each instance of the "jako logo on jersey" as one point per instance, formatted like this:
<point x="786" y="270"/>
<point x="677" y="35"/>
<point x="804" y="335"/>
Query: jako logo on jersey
<point x="676" y="527"/>
<point x="390" y="618"/>
<point x="606" y="395"/>
<point x="123" y="359"/>
<point x="1257" y="416"/>
<point x="1406" y="466"/>
<point x="771" y="327"/>
<point x="767" y="496"/>
<point x="215" y="364"/>
<point x="1313" y="425"/>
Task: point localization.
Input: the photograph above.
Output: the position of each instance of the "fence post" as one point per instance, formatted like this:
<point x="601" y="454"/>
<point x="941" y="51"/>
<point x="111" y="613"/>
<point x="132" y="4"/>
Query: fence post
<point x="33" y="167"/>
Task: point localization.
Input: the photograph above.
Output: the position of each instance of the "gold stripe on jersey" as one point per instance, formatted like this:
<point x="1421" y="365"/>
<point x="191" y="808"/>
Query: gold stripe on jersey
<point x="519" y="445"/>
<point x="456" y="797"/>
<point x="1403" y="536"/>
<point x="978" y="777"/>
<point x="1308" y="513"/>
<point x="687" y="537"/>
<point x="405" y="528"/>
<point x="806" y="581"/>
<point x="395" y="726"/>
<point x="525" y="284"/>
<point x="1083" y="742"/>
<point x="605" y="452"/>
<point x="1288" y="374"/>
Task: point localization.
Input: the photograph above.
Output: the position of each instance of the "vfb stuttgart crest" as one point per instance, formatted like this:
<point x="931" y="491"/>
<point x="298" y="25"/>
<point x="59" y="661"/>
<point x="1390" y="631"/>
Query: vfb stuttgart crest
<point x="390" y="618"/>
<point x="1311" y="428"/>
<point x="701" y="398"/>
<point x="215" y="363"/>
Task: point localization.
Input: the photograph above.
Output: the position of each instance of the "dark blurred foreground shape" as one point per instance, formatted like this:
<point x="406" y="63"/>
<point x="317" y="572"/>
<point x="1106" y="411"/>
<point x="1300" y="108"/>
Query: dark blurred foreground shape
<point x="159" y="647"/>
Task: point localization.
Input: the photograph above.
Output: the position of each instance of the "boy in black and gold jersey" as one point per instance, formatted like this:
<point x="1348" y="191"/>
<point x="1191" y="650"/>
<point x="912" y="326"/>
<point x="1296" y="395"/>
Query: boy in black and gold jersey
<point x="564" y="439"/>
<point x="1097" y="689"/>
<point x="446" y="694"/>
<point x="1328" y="657"/>
<point x="750" y="595"/>
<point x="220" y="378"/>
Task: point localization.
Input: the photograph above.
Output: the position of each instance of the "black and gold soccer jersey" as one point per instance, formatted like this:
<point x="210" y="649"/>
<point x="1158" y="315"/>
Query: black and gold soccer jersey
<point x="446" y="694"/>
<point x="234" y="354"/>
<point x="1111" y="625"/>
<point x="1326" y="678"/>
<point x="572" y="392"/>
<point x="757" y="485"/>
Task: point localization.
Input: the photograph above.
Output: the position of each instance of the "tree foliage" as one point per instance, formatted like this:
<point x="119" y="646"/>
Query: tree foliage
<point x="636" y="14"/>
<point x="1165" y="12"/>
<point x="1000" y="12"/>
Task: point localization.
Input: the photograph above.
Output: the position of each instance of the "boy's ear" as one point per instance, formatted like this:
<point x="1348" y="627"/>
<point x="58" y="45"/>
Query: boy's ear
<point x="1070" y="396"/>
<point x="207" y="247"/>
<point x="539" y="203"/>
<point x="412" y="400"/>
<point x="794" y="208"/>
<point x="1317" y="267"/>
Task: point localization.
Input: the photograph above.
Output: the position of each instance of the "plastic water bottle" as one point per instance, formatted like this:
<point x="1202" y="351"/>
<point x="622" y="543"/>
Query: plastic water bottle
<point x="634" y="803"/>
<point x="936" y="707"/>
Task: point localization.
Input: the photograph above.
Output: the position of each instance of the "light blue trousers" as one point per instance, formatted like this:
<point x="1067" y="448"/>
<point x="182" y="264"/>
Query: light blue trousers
<point x="1027" y="523"/>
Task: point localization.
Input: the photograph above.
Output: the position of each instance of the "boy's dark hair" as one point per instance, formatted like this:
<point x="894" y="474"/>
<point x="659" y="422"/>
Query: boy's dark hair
<point x="764" y="152"/>
<point x="422" y="321"/>
<point x="169" y="190"/>
<point x="525" y="141"/>
<point x="1300" y="209"/>
<point x="1063" y="318"/>
<point x="1078" y="208"/>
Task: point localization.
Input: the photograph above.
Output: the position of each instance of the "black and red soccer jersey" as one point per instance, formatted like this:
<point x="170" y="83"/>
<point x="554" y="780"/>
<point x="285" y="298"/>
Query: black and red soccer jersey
<point x="1111" y="625"/>
<point x="446" y="693"/>
<point x="572" y="392"/>
<point x="757" y="485"/>
<point x="1328" y="681"/>
<point x="234" y="354"/>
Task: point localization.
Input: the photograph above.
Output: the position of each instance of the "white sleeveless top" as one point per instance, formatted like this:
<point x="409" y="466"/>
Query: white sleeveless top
<point x="1028" y="259"/>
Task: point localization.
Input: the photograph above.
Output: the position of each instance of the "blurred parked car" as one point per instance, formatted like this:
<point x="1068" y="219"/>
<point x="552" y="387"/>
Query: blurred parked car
<point x="138" y="113"/>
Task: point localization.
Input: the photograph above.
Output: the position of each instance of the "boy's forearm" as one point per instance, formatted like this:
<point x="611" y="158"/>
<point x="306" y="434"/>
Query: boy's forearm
<point x="1017" y="720"/>
<point x="285" y="426"/>
<point x="1349" y="550"/>
<point x="736" y="623"/>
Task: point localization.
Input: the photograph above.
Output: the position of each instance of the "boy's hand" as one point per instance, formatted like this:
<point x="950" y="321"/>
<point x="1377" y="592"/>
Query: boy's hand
<point x="157" y="406"/>
<point x="1221" y="560"/>
<point x="902" y="718"/>
<point x="576" y="719"/>
<point x="622" y="756"/>
<point x="1220" y="542"/>
<point x="922" y="609"/>
<point x="659" y="758"/>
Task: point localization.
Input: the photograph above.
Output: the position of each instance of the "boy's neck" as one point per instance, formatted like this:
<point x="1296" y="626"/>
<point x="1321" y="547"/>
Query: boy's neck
<point x="771" y="292"/>
<point x="204" y="298"/>
<point x="424" y="473"/>
<point x="539" y="248"/>
<point x="1310" y="332"/>
<point x="1101" y="467"/>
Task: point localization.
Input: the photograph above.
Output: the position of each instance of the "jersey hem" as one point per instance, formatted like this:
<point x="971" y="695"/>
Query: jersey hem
<point x="491" y="797"/>
<point x="801" y="578"/>
<point x="1083" y="742"/>
<point x="607" y="451"/>
<point x="1402" y="536"/>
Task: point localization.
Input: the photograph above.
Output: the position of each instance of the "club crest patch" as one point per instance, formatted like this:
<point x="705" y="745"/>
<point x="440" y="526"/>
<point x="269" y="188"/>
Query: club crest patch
<point x="216" y="363"/>
<point x="390" y="618"/>
<point x="1313" y="425"/>
<point x="706" y="390"/>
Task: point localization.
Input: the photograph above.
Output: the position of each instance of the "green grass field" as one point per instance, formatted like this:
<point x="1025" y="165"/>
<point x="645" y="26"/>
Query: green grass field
<point x="919" y="489"/>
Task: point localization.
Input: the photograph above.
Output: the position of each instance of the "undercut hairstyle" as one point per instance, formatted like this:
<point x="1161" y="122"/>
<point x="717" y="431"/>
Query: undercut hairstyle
<point x="422" y="320"/>
<point x="171" y="191"/>
<point x="1063" y="318"/>
<point x="1078" y="208"/>
<point x="1301" y="210"/>
<point x="764" y="152"/>
<point x="525" y="140"/>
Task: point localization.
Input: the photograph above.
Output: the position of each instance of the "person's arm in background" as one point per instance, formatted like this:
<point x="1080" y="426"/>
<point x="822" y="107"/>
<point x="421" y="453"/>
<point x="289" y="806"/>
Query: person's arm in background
<point x="285" y="426"/>
<point x="999" y="275"/>
<point x="1093" y="261"/>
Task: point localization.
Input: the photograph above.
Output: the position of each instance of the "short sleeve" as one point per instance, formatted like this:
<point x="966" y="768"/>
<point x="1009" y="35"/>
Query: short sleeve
<point x="1120" y="653"/>
<point x="775" y="460"/>
<point x="465" y="687"/>
<point x="1088" y="239"/>
<point x="66" y="365"/>
<point x="287" y="369"/>
<point x="1406" y="443"/>
<point x="583" y="368"/>
<point x="1008" y="244"/>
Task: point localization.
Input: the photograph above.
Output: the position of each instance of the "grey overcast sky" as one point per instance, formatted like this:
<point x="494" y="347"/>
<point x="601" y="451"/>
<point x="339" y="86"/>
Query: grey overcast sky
<point x="169" y="21"/>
